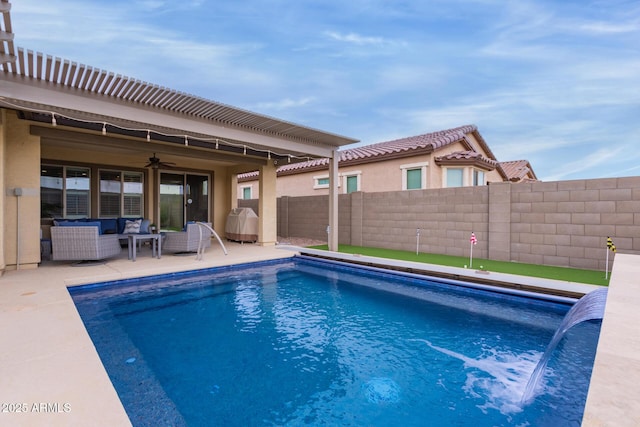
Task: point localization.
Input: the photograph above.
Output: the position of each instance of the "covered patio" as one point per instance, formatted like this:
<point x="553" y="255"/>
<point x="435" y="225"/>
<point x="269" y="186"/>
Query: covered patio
<point x="81" y="142"/>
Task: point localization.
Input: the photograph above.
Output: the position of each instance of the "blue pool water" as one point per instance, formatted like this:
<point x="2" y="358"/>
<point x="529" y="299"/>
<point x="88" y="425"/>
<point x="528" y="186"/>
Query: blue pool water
<point x="304" y="342"/>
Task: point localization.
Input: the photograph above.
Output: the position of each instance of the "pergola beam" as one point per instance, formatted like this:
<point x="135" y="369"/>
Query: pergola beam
<point x="44" y="97"/>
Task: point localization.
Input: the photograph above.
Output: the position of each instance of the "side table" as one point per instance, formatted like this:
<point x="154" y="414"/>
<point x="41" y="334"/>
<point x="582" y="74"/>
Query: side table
<point x="156" y="244"/>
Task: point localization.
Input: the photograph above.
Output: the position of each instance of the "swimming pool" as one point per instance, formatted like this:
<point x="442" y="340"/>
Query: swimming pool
<point x="309" y="342"/>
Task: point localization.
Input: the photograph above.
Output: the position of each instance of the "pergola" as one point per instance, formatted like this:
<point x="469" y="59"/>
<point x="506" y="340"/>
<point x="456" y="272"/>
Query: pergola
<point x="71" y="101"/>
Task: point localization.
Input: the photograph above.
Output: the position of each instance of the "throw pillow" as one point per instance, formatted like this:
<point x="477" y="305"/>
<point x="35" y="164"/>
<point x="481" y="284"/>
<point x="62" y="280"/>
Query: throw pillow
<point x="144" y="226"/>
<point x="132" y="227"/>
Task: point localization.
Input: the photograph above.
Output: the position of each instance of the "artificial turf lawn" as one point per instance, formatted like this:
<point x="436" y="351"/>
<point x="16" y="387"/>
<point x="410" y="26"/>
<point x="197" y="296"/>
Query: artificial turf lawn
<point x="592" y="277"/>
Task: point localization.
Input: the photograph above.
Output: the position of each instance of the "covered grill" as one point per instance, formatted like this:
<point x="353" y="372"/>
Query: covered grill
<point x="242" y="225"/>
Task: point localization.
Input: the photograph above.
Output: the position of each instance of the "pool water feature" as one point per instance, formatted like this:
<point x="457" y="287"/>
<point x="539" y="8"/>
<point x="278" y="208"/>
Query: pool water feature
<point x="589" y="307"/>
<point x="308" y="342"/>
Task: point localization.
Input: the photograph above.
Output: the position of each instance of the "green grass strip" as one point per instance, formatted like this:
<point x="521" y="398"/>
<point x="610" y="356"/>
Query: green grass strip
<point x="591" y="277"/>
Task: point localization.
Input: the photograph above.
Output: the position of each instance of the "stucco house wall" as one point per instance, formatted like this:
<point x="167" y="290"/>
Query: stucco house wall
<point x="379" y="167"/>
<point x="21" y="198"/>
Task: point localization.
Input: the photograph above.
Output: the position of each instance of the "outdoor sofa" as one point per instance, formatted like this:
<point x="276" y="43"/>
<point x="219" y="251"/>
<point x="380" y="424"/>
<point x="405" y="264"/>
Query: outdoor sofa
<point x="82" y="243"/>
<point x="188" y="239"/>
<point x="91" y="239"/>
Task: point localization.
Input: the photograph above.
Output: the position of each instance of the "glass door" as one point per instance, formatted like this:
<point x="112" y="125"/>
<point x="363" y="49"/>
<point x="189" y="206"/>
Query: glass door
<point x="183" y="197"/>
<point x="197" y="196"/>
<point x="171" y="201"/>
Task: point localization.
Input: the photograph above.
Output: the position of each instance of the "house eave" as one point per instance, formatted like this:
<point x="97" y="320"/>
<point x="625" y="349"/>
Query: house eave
<point x="480" y="163"/>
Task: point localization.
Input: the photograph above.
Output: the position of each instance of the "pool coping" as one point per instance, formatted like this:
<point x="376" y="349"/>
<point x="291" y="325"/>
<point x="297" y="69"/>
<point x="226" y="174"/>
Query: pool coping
<point x="512" y="281"/>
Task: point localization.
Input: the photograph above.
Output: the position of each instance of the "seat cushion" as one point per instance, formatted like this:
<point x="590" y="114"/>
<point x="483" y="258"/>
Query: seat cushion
<point x="144" y="226"/>
<point x="80" y="224"/>
<point x="109" y="225"/>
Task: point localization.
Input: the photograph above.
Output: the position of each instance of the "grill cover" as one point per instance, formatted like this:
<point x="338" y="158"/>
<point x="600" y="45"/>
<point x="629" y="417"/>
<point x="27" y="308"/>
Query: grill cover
<point x="242" y="225"/>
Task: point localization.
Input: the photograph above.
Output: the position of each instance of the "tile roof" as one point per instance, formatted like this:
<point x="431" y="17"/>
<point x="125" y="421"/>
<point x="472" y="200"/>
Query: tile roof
<point x="513" y="171"/>
<point x="518" y="170"/>
<point x="427" y="142"/>
<point x="313" y="164"/>
<point x="248" y="176"/>
<point x="403" y="147"/>
<point x="467" y="157"/>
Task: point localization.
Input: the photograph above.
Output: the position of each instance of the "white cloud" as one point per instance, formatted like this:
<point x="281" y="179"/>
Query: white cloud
<point x="284" y="104"/>
<point x="592" y="160"/>
<point x="356" y="39"/>
<point x="598" y="28"/>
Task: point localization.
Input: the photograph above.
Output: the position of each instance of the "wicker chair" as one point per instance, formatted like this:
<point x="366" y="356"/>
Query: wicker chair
<point x="187" y="241"/>
<point x="82" y="244"/>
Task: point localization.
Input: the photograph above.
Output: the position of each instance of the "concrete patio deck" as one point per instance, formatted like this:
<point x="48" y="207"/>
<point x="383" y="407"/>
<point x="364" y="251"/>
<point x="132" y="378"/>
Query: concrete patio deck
<point x="52" y="375"/>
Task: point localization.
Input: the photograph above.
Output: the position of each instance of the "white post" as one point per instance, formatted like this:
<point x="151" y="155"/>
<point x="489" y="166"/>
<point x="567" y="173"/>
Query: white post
<point x="417" y="240"/>
<point x="333" y="201"/>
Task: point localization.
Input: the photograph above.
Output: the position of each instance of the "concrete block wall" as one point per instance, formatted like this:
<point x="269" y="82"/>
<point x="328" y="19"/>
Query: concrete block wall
<point x="445" y="217"/>
<point x="563" y="223"/>
<point x="566" y="223"/>
<point x="308" y="216"/>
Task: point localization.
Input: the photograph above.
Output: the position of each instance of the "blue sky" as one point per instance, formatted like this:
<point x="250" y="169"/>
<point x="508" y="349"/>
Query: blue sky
<point x="555" y="82"/>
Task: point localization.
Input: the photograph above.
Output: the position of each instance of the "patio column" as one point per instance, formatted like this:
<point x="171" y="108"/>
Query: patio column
<point x="332" y="238"/>
<point x="234" y="190"/>
<point x="3" y="141"/>
<point x="21" y="170"/>
<point x="267" y="205"/>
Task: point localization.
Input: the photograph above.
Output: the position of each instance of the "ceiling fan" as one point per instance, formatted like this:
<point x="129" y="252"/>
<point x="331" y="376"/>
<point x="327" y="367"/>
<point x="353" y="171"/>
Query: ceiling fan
<point x="155" y="163"/>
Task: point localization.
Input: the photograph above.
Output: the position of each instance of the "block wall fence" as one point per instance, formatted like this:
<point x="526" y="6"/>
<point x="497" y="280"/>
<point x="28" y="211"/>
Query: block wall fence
<point x="562" y="223"/>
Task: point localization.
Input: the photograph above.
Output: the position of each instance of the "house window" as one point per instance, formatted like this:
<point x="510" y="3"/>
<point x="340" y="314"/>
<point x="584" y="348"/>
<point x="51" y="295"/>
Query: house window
<point x="320" y="182"/>
<point x="132" y="194"/>
<point x="64" y="192"/>
<point x="478" y="177"/>
<point x="350" y="181"/>
<point x="414" y="179"/>
<point x="121" y="194"/>
<point x="246" y="193"/>
<point x="414" y="176"/>
<point x="352" y="184"/>
<point x="454" y="177"/>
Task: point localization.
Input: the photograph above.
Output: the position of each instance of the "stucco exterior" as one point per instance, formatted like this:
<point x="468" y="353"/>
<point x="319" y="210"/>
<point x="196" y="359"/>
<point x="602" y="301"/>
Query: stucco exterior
<point x="377" y="174"/>
<point x="21" y="160"/>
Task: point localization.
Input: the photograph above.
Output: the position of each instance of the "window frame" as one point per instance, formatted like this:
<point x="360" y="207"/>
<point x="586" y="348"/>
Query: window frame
<point x="474" y="177"/>
<point x="344" y="178"/>
<point x="316" y="182"/>
<point x="446" y="177"/>
<point x="422" y="166"/>
<point x="244" y="188"/>
<point x="122" y="195"/>
<point x="66" y="191"/>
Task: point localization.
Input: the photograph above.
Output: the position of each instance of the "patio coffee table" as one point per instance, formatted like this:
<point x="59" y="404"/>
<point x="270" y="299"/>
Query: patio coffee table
<point x="156" y="240"/>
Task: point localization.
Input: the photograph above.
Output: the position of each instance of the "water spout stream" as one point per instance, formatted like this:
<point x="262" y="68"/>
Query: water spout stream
<point x="589" y="307"/>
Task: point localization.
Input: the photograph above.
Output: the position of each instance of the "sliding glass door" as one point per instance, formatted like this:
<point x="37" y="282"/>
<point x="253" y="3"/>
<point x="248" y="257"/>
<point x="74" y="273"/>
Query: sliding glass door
<point x="183" y="197"/>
